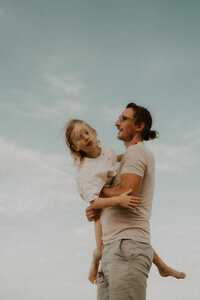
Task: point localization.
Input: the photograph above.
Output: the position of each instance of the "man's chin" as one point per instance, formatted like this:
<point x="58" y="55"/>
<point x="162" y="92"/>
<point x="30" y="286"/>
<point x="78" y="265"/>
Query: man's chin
<point x="119" y="136"/>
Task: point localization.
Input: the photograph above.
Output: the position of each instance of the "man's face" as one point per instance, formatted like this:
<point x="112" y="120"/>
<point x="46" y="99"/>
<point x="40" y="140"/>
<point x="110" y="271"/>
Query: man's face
<point x="126" y="126"/>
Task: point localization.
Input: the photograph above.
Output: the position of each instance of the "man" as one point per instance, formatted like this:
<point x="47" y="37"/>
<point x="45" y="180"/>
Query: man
<point x="127" y="253"/>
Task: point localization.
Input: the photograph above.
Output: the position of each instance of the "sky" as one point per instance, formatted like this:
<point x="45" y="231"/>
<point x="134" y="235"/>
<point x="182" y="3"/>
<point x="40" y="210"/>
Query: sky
<point x="88" y="59"/>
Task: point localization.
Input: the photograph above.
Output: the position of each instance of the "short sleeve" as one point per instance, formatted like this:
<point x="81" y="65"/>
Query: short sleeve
<point x="89" y="187"/>
<point x="134" y="162"/>
<point x="92" y="192"/>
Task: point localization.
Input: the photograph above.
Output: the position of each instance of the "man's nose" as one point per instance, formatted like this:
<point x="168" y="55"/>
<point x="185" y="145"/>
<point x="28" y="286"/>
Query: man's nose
<point x="117" y="123"/>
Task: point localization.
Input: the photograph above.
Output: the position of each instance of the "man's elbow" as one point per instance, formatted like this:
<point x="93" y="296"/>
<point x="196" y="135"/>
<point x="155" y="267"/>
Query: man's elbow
<point x="125" y="189"/>
<point x="134" y="193"/>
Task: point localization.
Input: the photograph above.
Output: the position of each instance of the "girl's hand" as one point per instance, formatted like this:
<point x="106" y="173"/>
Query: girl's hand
<point x="119" y="157"/>
<point x="129" y="202"/>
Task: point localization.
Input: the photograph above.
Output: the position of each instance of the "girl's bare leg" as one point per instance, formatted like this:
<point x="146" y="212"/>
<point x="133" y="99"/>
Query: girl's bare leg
<point x="97" y="252"/>
<point x="165" y="270"/>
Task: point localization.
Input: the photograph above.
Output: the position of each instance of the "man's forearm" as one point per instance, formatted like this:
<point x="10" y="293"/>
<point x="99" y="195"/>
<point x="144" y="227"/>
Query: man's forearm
<point x="128" y="181"/>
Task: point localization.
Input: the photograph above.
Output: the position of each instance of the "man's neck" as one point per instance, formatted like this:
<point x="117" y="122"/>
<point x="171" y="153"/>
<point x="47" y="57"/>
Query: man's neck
<point x="134" y="141"/>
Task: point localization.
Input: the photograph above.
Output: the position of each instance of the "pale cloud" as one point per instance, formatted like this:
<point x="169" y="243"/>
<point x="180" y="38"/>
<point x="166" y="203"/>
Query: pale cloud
<point x="174" y="238"/>
<point x="30" y="105"/>
<point x="67" y="83"/>
<point x="6" y="105"/>
<point x="162" y="62"/>
<point x="31" y="180"/>
<point x="170" y="158"/>
<point x="111" y="113"/>
<point x="195" y="133"/>
<point x="57" y="109"/>
<point x="2" y="14"/>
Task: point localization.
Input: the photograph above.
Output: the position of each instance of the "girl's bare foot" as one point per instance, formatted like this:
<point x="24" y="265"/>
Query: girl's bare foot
<point x="165" y="271"/>
<point x="93" y="273"/>
<point x="94" y="267"/>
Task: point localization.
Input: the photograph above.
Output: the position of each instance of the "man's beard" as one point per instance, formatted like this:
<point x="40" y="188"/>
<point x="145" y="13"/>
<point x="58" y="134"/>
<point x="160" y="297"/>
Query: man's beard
<point x="124" y="139"/>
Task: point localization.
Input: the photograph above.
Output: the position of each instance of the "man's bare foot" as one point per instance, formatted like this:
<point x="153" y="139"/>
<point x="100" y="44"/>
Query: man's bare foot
<point x="94" y="267"/>
<point x="166" y="271"/>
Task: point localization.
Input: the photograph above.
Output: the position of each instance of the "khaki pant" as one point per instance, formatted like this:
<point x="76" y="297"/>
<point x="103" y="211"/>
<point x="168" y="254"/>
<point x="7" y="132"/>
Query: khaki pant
<point x="124" y="270"/>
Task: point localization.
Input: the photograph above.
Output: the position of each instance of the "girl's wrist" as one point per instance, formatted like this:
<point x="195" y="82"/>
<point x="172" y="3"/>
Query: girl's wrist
<point x="118" y="200"/>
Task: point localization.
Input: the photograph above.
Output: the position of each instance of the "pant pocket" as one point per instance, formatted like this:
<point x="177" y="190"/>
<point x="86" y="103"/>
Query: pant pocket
<point x="128" y="250"/>
<point x="100" y="277"/>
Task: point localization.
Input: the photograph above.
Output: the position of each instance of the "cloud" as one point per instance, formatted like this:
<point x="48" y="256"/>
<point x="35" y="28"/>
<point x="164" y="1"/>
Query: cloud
<point x="111" y="113"/>
<point x="2" y="14"/>
<point x="193" y="137"/>
<point x="6" y="105"/>
<point x="31" y="180"/>
<point x="49" y="103"/>
<point x="67" y="83"/>
<point x="195" y="133"/>
<point x="170" y="158"/>
<point x="174" y="238"/>
<point x="164" y="61"/>
<point x="57" y="109"/>
<point x="34" y="106"/>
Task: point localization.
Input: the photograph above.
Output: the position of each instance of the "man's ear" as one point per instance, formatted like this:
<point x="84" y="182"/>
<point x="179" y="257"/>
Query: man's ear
<point x="140" y="126"/>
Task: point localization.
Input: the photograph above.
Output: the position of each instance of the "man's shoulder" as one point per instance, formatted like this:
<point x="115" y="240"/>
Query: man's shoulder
<point x="139" y="151"/>
<point x="136" y="149"/>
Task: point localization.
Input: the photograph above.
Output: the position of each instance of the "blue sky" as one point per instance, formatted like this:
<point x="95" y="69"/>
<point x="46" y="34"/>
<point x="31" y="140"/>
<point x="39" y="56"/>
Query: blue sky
<point x="88" y="59"/>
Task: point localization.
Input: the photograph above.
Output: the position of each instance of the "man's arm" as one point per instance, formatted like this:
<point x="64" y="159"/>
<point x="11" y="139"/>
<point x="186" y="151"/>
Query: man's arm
<point x="128" y="181"/>
<point x="93" y="212"/>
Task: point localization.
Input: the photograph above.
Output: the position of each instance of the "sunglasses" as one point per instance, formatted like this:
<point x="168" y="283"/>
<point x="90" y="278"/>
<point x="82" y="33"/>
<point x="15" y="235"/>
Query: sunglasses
<point x="123" y="118"/>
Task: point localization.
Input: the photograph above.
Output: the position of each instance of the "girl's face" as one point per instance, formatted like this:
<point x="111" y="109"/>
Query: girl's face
<point x="84" y="139"/>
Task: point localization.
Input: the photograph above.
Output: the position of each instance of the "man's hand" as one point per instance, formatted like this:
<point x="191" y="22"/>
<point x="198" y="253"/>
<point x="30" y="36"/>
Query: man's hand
<point x="92" y="214"/>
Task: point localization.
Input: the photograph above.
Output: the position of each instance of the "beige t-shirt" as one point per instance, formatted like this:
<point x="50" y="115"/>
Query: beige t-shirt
<point x="122" y="223"/>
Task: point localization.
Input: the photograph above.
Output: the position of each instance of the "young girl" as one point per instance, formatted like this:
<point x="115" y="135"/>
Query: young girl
<point x="97" y="164"/>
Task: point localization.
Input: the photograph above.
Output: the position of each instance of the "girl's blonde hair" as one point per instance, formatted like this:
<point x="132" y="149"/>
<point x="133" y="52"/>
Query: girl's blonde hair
<point x="78" y="156"/>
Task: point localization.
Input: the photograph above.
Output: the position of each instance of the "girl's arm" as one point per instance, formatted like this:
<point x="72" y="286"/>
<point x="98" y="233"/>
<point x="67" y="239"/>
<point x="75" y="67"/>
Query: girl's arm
<point x="123" y="200"/>
<point x="119" y="157"/>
